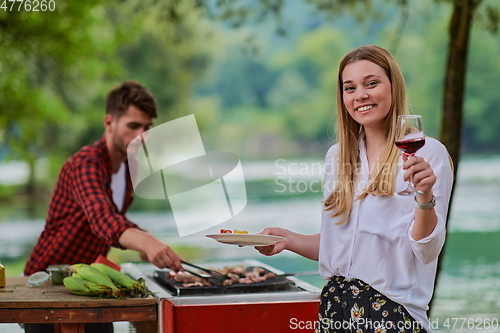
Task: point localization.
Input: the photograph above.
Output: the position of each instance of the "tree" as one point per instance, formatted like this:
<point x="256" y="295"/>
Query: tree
<point x="45" y="57"/>
<point x="464" y="14"/>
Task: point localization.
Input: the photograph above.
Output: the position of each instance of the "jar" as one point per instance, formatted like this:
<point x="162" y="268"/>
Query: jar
<point x="58" y="273"/>
<point x="38" y="279"/>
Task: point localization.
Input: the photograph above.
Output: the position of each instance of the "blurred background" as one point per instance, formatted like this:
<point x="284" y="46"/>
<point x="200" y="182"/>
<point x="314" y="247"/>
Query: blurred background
<point x="260" y="78"/>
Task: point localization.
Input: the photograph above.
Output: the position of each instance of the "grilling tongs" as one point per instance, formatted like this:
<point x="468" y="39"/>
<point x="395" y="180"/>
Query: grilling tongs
<point x="213" y="277"/>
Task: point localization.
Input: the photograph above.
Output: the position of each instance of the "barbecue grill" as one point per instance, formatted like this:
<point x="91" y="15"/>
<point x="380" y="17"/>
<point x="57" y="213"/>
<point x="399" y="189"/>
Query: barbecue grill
<point x="280" y="304"/>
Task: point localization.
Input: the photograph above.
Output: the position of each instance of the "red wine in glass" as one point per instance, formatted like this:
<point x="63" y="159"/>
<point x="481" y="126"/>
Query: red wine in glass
<point x="411" y="146"/>
<point x="410" y="138"/>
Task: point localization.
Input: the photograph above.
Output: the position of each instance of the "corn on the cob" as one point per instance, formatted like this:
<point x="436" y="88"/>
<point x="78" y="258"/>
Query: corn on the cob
<point x="114" y="275"/>
<point x="79" y="286"/>
<point x="76" y="286"/>
<point x="94" y="275"/>
<point x="99" y="289"/>
<point x="120" y="278"/>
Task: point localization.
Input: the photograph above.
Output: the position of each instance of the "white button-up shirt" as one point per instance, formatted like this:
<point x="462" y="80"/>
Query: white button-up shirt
<point x="375" y="244"/>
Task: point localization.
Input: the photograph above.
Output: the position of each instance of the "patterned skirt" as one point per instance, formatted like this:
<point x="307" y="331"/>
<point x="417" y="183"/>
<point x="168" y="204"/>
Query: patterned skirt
<point x="350" y="305"/>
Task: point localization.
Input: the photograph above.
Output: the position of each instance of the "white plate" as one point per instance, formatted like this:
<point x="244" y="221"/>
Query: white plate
<point x="246" y="239"/>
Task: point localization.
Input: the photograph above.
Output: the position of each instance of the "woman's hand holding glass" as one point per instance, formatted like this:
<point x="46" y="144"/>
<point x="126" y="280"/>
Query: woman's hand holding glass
<point x="420" y="172"/>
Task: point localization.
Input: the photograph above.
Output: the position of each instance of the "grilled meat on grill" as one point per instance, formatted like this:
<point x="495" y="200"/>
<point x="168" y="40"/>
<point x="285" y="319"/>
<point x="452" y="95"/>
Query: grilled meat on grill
<point x="235" y="274"/>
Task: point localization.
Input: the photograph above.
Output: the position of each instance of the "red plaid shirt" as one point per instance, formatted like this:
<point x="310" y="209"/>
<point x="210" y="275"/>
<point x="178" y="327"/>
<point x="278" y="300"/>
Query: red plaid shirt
<point x="83" y="221"/>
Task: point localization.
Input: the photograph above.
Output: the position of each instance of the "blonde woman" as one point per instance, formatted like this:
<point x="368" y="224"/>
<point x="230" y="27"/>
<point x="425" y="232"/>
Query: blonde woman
<point x="377" y="250"/>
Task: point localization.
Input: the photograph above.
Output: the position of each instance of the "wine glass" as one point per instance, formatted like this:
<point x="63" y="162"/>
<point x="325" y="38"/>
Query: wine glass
<point x="410" y="138"/>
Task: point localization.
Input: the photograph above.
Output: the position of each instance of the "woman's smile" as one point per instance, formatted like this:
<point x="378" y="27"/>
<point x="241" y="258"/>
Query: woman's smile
<point x="365" y="108"/>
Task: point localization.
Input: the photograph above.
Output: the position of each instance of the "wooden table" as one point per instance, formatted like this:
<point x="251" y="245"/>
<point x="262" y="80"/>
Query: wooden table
<point x="54" y="304"/>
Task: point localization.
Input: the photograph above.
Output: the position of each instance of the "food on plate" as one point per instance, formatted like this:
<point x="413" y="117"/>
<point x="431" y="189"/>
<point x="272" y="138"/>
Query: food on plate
<point x="233" y="274"/>
<point x="235" y="231"/>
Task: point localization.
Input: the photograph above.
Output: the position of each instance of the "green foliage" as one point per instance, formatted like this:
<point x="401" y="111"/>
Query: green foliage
<point x="272" y="103"/>
<point x="238" y="13"/>
<point x="173" y="50"/>
<point x="481" y="119"/>
<point x="46" y="61"/>
<point x="333" y="8"/>
<point x="297" y="81"/>
<point x="421" y="56"/>
<point x="57" y="67"/>
<point x="489" y="17"/>
<point x="46" y="64"/>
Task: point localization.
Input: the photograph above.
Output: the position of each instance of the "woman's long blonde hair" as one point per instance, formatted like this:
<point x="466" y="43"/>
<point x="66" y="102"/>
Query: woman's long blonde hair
<point x="349" y="133"/>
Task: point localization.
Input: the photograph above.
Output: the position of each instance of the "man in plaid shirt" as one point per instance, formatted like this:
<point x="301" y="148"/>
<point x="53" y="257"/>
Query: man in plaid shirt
<point x="87" y="211"/>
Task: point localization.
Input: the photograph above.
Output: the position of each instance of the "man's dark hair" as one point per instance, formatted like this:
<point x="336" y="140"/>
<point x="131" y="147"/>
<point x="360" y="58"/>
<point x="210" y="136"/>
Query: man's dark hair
<point x="130" y="93"/>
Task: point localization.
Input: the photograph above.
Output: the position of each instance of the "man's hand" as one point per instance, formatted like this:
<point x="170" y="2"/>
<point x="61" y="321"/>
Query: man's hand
<point x="144" y="256"/>
<point x="161" y="255"/>
<point x="151" y="249"/>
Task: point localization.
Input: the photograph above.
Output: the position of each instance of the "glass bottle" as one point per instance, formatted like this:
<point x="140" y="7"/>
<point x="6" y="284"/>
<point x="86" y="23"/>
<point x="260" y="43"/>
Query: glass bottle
<point x="2" y="276"/>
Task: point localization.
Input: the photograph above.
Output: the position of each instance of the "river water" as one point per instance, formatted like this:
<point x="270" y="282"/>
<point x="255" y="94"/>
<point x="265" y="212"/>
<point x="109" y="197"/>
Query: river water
<point x="467" y="297"/>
